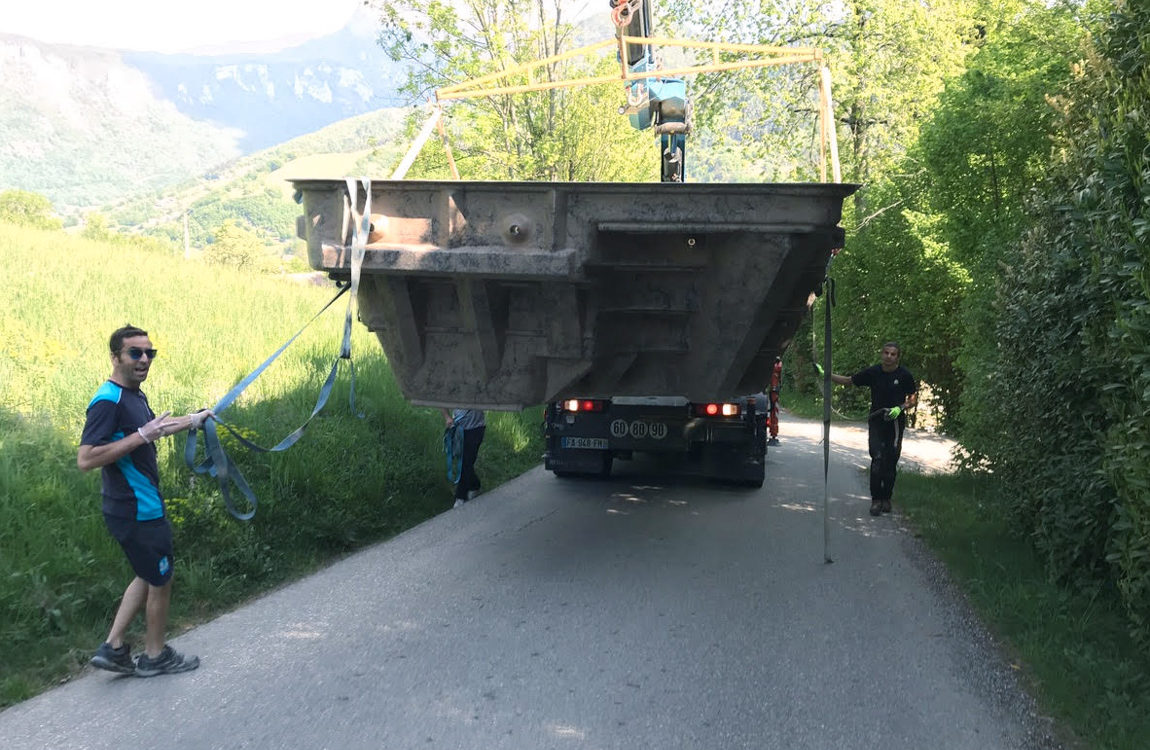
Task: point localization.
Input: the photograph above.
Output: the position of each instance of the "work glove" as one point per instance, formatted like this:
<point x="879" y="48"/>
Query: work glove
<point x="156" y="429"/>
<point x="818" y="369"/>
<point x="198" y="418"/>
<point x="892" y="413"/>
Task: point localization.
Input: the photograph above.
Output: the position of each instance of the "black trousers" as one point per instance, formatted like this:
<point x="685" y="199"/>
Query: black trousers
<point x="885" y="443"/>
<point x="468" y="479"/>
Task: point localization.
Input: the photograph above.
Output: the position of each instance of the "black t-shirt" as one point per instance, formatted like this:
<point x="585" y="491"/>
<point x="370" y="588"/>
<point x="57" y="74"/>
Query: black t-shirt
<point x="131" y="485"/>
<point x="887" y="389"/>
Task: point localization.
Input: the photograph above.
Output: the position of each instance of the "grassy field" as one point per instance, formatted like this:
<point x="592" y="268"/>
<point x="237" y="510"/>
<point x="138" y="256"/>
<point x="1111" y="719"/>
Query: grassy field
<point x="349" y="482"/>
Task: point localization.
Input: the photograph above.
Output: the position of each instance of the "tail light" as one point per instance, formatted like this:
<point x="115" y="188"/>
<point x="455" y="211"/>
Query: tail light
<point x="578" y="405"/>
<point x="717" y="410"/>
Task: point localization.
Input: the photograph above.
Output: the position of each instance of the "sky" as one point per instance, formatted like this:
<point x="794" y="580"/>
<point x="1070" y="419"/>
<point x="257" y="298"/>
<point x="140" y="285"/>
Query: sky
<point x="166" y="26"/>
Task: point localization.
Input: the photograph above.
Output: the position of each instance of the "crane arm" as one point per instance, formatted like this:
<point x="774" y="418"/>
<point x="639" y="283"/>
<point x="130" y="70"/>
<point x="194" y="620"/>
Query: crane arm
<point x="653" y="101"/>
<point x="656" y="97"/>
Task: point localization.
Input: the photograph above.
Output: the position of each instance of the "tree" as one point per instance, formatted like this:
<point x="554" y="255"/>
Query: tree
<point x="28" y="209"/>
<point x="237" y="248"/>
<point x="888" y="61"/>
<point x="976" y="175"/>
<point x="96" y="227"/>
<point x="557" y="134"/>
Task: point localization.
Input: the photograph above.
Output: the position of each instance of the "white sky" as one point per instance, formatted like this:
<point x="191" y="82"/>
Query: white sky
<point x="175" y="26"/>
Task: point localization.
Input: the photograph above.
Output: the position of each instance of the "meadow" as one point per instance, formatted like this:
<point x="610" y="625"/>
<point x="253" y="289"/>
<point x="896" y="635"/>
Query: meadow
<point x="348" y="482"/>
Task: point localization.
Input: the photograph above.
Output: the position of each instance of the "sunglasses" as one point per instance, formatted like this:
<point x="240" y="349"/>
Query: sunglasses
<point x="136" y="352"/>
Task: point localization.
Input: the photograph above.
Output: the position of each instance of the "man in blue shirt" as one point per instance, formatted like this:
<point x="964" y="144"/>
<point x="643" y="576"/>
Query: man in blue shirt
<point x="118" y="438"/>
<point x="892" y="391"/>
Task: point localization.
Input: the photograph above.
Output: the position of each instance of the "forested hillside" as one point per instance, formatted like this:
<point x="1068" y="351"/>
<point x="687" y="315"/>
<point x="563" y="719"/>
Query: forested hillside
<point x="86" y="126"/>
<point x="81" y="127"/>
<point x="254" y="191"/>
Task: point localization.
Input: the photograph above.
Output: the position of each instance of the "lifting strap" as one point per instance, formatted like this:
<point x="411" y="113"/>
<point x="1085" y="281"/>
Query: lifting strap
<point x="217" y="463"/>
<point x="453" y="448"/>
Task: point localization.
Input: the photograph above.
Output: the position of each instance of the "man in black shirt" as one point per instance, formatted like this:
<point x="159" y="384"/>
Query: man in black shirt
<point x="892" y="392"/>
<point x="118" y="438"/>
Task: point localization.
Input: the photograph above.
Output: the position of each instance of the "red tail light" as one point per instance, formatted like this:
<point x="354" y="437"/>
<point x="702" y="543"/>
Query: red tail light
<point x="718" y="410"/>
<point x="575" y="405"/>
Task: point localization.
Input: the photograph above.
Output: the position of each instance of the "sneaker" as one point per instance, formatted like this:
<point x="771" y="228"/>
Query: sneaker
<point x="886" y="506"/>
<point x="169" y="661"/>
<point x="114" y="659"/>
<point x="472" y="494"/>
<point x="458" y="503"/>
<point x="773" y="441"/>
<point x="875" y="507"/>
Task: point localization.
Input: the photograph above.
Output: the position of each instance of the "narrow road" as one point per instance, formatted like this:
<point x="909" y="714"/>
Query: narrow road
<point x="635" y="612"/>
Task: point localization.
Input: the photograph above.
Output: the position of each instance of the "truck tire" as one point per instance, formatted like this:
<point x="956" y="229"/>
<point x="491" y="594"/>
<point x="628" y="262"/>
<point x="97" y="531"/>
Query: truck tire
<point x="608" y="463"/>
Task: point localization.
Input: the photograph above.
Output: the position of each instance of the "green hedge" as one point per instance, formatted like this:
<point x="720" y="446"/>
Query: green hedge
<point x="1069" y="383"/>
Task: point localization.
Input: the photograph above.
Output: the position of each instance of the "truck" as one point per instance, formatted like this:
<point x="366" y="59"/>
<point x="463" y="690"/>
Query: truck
<point x="646" y="317"/>
<point x="725" y="437"/>
<point x="725" y="440"/>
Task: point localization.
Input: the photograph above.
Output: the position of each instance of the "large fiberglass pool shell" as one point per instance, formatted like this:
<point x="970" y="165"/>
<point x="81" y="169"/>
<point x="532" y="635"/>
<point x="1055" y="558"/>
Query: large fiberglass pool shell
<point x="501" y="295"/>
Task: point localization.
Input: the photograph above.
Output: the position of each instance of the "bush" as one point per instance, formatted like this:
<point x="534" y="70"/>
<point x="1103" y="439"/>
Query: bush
<point x="1071" y="373"/>
<point x="28" y="209"/>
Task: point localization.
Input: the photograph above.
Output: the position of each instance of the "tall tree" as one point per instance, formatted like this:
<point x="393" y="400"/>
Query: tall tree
<point x="237" y="247"/>
<point x="888" y="61"/>
<point x="554" y="134"/>
<point x="28" y="209"/>
<point x="981" y="153"/>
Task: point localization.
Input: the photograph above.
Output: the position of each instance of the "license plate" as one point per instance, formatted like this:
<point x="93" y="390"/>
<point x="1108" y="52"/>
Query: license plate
<point x="581" y="442"/>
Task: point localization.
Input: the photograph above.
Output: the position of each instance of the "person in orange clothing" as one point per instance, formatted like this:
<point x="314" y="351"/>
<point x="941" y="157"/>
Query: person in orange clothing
<point x="773" y="419"/>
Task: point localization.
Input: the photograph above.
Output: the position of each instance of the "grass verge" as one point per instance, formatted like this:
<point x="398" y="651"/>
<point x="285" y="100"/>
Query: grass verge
<point x="1073" y="646"/>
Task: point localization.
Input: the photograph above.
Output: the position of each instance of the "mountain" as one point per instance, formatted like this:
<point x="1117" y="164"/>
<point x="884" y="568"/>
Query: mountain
<point x="272" y="98"/>
<point x="255" y="190"/>
<point x="88" y="127"/>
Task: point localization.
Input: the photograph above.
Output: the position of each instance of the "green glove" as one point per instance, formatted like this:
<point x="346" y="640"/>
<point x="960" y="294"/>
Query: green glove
<point x="893" y="413"/>
<point x="818" y="368"/>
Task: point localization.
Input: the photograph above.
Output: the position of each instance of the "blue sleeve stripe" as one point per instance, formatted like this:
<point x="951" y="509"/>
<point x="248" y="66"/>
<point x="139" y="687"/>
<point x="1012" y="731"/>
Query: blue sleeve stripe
<point x="109" y="391"/>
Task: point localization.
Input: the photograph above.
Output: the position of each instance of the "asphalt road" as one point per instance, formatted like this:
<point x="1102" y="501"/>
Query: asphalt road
<point x="636" y="612"/>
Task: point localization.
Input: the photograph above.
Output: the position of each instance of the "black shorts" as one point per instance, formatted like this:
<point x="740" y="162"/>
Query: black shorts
<point x="147" y="545"/>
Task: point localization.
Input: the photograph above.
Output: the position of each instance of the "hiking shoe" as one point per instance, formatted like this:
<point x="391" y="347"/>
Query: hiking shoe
<point x="458" y="503"/>
<point x="875" y="507"/>
<point x="114" y="659"/>
<point x="169" y="661"/>
<point x="886" y="506"/>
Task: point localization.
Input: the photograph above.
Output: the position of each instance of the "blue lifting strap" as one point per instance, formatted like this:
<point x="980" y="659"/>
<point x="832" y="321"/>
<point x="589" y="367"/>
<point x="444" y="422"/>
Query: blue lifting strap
<point x="453" y="448"/>
<point x="217" y="463"/>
